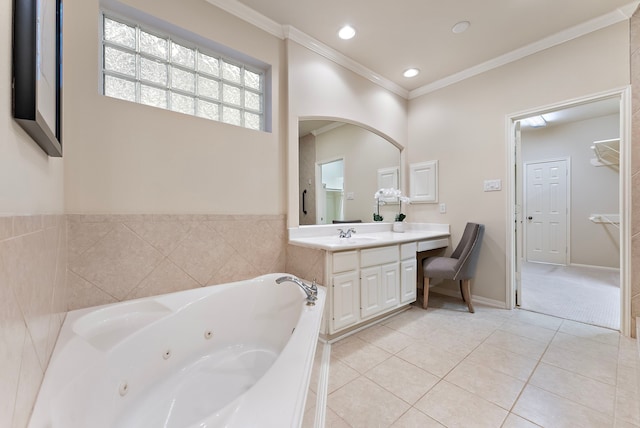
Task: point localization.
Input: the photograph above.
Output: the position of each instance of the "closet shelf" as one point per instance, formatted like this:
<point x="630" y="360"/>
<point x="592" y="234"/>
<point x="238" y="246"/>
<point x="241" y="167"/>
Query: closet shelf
<point x="613" y="219"/>
<point x="607" y="152"/>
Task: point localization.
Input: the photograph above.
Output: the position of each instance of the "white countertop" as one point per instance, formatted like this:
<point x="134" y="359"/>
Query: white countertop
<point x="325" y="237"/>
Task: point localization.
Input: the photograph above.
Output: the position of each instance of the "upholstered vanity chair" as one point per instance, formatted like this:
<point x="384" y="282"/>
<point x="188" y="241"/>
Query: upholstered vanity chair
<point x="460" y="266"/>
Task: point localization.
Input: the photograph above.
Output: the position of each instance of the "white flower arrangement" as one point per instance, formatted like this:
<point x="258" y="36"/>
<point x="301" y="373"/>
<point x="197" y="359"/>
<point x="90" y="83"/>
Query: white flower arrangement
<point x="390" y="193"/>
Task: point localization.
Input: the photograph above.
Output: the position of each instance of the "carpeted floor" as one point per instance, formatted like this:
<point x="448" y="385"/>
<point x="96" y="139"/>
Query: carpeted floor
<point x="589" y="295"/>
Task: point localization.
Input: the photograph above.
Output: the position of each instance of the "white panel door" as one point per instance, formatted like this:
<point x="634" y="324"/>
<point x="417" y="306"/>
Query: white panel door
<point x="546" y="211"/>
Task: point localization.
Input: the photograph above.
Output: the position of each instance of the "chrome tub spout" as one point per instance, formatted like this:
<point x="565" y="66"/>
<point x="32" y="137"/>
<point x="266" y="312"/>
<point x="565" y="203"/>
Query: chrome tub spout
<point x="310" y="290"/>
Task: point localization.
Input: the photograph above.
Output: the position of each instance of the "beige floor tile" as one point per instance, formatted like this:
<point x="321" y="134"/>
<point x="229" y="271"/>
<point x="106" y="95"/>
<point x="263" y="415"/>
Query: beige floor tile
<point x="619" y="423"/>
<point x="339" y="375"/>
<point x="541" y="320"/>
<point x="628" y="379"/>
<point x="416" y="419"/>
<point x="531" y="331"/>
<point x="402" y="379"/>
<point x="455" y="341"/>
<point x="592" y="332"/>
<point x="311" y="400"/>
<point x="416" y="329"/>
<point x="386" y="338"/>
<point x="358" y="354"/>
<point x="489" y="384"/>
<point x="628" y="407"/>
<point x="520" y="345"/>
<point x="572" y="386"/>
<point x="503" y="361"/>
<point x="309" y="418"/>
<point x="549" y="410"/>
<point x="584" y="363"/>
<point x="586" y="346"/>
<point x="628" y="353"/>
<point x="515" y="421"/>
<point x="430" y="358"/>
<point x="362" y="403"/>
<point x="453" y="407"/>
<point x="332" y="420"/>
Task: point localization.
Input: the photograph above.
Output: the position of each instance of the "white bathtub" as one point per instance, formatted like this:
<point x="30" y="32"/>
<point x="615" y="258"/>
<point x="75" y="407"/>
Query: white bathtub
<point x="232" y="355"/>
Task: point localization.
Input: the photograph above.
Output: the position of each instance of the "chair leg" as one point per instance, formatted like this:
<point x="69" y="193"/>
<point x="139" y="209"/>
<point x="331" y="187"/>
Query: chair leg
<point x="425" y="293"/>
<point x="466" y="293"/>
<point x="462" y="292"/>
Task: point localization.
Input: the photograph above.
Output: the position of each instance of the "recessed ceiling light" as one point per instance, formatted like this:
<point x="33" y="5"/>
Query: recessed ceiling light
<point x="347" y="32"/>
<point x="411" y="72"/>
<point x="461" y="27"/>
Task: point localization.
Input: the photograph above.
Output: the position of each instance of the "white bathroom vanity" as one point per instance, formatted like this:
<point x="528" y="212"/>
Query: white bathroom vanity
<point x="371" y="274"/>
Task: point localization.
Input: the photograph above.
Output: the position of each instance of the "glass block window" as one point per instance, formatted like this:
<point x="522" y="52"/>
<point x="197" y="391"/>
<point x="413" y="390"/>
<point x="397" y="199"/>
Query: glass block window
<point x="149" y="68"/>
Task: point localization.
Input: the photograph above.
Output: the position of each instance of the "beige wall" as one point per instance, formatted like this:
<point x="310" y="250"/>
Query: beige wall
<point x="32" y="253"/>
<point x="635" y="169"/>
<point x="123" y="157"/>
<point x="463" y="126"/>
<point x="594" y="190"/>
<point x="320" y="88"/>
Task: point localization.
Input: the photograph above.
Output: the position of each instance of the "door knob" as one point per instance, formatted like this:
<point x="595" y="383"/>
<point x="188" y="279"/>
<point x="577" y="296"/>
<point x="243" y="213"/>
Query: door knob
<point x="529" y="218"/>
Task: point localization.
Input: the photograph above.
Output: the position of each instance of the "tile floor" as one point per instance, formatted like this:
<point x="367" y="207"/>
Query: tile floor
<point x="495" y="368"/>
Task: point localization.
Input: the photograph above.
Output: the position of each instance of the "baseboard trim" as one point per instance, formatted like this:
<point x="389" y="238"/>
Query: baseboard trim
<point x="594" y="267"/>
<point x="474" y="298"/>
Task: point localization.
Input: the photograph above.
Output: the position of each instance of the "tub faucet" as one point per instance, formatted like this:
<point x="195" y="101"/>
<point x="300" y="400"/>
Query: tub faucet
<point x="310" y="290"/>
<point x="346" y="234"/>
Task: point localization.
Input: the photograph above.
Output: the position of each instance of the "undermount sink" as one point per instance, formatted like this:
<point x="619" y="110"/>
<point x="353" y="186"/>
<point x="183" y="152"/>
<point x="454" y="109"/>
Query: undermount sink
<point x="357" y="239"/>
<point x="353" y="240"/>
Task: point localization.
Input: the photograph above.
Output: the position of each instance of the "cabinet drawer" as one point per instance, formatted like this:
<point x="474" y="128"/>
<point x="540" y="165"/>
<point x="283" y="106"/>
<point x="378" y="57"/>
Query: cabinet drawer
<point x="433" y="244"/>
<point x="345" y="261"/>
<point x="379" y="256"/>
<point x="408" y="250"/>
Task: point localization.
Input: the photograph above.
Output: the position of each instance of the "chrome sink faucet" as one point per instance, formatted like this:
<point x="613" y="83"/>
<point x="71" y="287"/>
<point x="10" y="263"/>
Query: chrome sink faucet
<point x="346" y="234"/>
<point x="310" y="290"/>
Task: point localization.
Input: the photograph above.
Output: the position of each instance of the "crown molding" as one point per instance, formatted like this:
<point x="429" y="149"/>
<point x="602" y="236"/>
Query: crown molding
<point x="280" y="31"/>
<point x="240" y="10"/>
<point x="320" y="48"/>
<point x="327" y="128"/>
<point x="611" y="18"/>
<point x="244" y="12"/>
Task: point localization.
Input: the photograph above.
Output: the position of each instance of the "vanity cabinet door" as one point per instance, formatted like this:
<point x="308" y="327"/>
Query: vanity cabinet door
<point x="389" y="288"/>
<point x="408" y="275"/>
<point x="370" y="296"/>
<point x="345" y="300"/>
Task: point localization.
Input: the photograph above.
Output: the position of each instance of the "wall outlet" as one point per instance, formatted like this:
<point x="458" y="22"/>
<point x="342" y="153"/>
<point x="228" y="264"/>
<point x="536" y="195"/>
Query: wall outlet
<point x="443" y="208"/>
<point x="350" y="196"/>
<point x="492" y="185"/>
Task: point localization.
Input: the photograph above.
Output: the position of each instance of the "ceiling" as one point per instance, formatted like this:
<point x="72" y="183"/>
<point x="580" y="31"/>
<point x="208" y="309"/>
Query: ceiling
<point x="393" y="36"/>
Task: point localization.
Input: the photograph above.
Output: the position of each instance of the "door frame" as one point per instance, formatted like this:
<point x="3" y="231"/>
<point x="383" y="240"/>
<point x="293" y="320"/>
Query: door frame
<point x="321" y="202"/>
<point x="514" y="210"/>
<point x="567" y="159"/>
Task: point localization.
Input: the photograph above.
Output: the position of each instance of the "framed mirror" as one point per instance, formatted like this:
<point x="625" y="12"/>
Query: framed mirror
<point x="340" y="165"/>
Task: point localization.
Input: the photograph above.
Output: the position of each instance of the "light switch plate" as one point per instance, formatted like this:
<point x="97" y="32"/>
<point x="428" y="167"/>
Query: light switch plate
<point x="492" y="185"/>
<point x="350" y="196"/>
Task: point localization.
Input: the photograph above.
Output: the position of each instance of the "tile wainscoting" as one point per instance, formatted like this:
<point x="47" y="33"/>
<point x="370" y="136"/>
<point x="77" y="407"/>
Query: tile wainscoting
<point x="33" y="304"/>
<point x="121" y="257"/>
